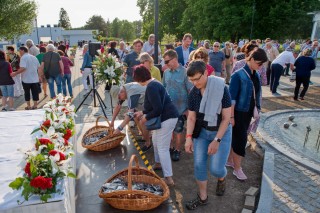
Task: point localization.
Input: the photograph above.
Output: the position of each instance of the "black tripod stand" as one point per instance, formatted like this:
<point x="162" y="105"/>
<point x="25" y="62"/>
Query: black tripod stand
<point x="95" y="94"/>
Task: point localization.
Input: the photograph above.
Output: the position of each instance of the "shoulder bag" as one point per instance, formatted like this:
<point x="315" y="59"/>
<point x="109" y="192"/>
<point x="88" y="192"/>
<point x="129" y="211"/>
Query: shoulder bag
<point x="256" y="114"/>
<point x="46" y="72"/>
<point x="155" y="123"/>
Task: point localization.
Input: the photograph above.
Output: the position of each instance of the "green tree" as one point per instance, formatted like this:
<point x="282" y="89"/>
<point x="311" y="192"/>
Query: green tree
<point x="115" y="28"/>
<point x="64" y="20"/>
<point x="137" y="25"/>
<point x="127" y="30"/>
<point x="16" y="17"/>
<point x="96" y="22"/>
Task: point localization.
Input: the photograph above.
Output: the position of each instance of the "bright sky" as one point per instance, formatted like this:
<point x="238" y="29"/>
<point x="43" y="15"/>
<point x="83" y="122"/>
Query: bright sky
<point x="80" y="11"/>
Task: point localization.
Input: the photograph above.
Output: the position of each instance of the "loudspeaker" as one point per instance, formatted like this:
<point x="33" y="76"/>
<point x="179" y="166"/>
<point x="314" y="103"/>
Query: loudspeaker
<point x="93" y="47"/>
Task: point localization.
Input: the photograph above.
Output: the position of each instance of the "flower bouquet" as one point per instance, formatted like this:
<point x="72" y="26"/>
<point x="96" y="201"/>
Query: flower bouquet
<point x="47" y="163"/>
<point x="108" y="69"/>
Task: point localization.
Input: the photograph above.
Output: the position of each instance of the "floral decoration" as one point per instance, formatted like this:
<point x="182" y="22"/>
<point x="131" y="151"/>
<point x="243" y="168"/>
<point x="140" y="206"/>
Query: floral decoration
<point x="108" y="69"/>
<point x="47" y="163"/>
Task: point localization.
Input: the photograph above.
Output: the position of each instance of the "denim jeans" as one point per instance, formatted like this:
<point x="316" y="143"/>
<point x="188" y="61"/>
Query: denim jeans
<point x="51" y="81"/>
<point x="67" y="80"/>
<point x="217" y="161"/>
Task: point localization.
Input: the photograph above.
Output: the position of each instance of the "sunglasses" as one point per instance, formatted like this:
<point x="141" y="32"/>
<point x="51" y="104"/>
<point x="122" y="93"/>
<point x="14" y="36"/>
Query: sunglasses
<point x="167" y="61"/>
<point x="216" y="46"/>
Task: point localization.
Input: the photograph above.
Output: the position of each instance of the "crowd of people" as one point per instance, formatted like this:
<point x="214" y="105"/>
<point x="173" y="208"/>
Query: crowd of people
<point x="208" y="99"/>
<point x="203" y="100"/>
<point x="29" y="71"/>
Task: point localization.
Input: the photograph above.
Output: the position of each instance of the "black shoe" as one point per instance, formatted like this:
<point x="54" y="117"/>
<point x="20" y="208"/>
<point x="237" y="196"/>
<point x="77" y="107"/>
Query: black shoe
<point x="221" y="187"/>
<point x="193" y="204"/>
<point x="144" y="149"/>
<point x="171" y="150"/>
<point x="176" y="155"/>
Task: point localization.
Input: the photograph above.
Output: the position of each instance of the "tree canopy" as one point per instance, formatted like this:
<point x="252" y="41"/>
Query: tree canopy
<point x="16" y="17"/>
<point x="64" y="20"/>
<point x="230" y="19"/>
<point x="116" y="28"/>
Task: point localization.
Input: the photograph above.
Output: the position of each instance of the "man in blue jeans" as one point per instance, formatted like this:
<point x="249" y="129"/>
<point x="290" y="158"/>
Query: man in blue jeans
<point x="54" y="69"/>
<point x="176" y="82"/>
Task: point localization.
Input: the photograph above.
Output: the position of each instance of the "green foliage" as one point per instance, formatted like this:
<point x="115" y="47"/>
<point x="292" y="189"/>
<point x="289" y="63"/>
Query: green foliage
<point x="229" y="19"/>
<point x="96" y="22"/>
<point x="17" y="183"/>
<point x="64" y="20"/>
<point x="16" y="17"/>
<point x="117" y="29"/>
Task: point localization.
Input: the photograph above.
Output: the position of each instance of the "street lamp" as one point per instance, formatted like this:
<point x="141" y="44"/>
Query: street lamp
<point x="253" y="9"/>
<point x="156" y="27"/>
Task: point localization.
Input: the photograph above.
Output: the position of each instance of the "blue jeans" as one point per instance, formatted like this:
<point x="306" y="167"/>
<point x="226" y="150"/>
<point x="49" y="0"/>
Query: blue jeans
<point x="66" y="79"/>
<point x="51" y="81"/>
<point x="276" y="72"/>
<point x="7" y="90"/>
<point x="217" y="162"/>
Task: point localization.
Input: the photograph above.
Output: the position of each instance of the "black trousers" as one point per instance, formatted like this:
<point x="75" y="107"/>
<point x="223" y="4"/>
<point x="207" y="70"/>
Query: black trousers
<point x="33" y="87"/>
<point x="268" y="72"/>
<point x="305" y="82"/>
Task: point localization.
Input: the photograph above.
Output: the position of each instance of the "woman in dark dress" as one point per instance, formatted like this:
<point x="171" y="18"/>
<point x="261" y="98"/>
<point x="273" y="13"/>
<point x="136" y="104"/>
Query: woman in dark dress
<point x="245" y="91"/>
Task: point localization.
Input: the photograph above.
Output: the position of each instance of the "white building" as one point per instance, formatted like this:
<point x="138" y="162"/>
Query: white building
<point x="57" y="34"/>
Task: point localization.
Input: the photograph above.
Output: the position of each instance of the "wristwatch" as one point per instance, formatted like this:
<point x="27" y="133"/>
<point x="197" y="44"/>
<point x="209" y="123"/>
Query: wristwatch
<point x="120" y="128"/>
<point x="217" y="139"/>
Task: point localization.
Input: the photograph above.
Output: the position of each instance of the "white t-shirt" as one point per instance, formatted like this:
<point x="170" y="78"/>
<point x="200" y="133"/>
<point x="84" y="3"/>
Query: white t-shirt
<point x="286" y="57"/>
<point x="31" y="64"/>
<point x="147" y="47"/>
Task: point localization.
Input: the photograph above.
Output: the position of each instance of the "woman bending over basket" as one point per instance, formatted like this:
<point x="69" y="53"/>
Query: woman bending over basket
<point x="157" y="103"/>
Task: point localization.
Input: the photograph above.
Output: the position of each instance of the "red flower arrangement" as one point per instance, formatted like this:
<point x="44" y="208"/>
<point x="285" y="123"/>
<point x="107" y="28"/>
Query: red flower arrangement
<point x="27" y="169"/>
<point x="68" y="134"/>
<point x="41" y="182"/>
<point x="54" y="152"/>
<point x="42" y="141"/>
<point x="45" y="125"/>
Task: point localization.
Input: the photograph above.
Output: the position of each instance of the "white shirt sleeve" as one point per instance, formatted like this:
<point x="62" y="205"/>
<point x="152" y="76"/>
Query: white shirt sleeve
<point x="23" y="62"/>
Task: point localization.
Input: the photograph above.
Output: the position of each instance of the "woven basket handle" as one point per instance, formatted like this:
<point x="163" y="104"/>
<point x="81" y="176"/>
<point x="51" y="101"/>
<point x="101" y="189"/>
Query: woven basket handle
<point x="111" y="129"/>
<point x="133" y="157"/>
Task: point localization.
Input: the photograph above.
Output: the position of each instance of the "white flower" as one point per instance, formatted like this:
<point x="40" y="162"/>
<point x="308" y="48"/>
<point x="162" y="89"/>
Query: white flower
<point x="117" y="65"/>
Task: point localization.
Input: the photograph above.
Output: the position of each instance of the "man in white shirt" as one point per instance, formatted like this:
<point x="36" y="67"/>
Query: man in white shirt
<point x="277" y="66"/>
<point x="33" y="50"/>
<point x="29" y="74"/>
<point x="149" y="46"/>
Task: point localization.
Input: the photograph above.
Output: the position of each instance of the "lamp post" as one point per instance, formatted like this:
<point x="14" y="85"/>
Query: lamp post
<point x="253" y="9"/>
<point x="156" y="27"/>
<point x="37" y="30"/>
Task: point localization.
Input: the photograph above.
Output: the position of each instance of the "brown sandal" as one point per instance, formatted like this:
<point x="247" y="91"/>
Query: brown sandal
<point x="167" y="182"/>
<point x="27" y="108"/>
<point x="34" y="107"/>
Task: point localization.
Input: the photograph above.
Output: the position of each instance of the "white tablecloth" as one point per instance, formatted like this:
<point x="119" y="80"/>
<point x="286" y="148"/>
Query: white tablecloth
<point x="15" y="129"/>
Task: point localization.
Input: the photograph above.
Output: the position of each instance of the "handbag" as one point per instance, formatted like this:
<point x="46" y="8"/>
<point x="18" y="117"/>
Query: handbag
<point x="256" y="113"/>
<point x="155" y="123"/>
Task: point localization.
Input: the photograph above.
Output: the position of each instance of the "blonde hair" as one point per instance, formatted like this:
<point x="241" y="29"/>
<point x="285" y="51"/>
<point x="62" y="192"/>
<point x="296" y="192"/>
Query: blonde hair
<point x="145" y="57"/>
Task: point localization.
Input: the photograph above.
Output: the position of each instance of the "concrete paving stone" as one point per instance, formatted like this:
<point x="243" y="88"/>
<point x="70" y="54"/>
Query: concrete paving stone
<point x="252" y="191"/>
<point x="246" y="211"/>
<point x="250" y="202"/>
<point x="312" y="195"/>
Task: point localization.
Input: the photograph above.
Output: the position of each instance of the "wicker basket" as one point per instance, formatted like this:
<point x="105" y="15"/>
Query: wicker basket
<point x="105" y="143"/>
<point x="136" y="200"/>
